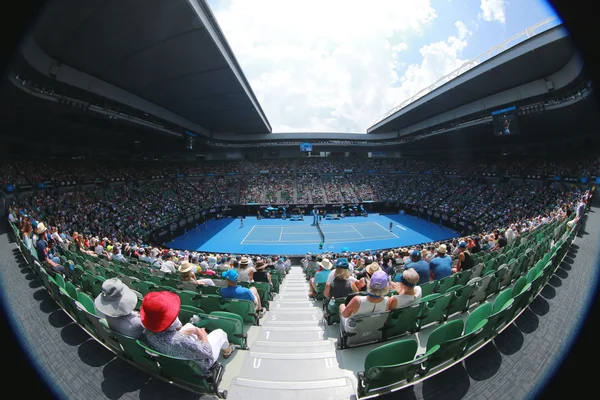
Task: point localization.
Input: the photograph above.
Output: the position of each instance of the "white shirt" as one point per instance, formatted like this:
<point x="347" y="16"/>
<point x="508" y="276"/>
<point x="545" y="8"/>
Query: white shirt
<point x="99" y="250"/>
<point x="168" y="267"/>
<point x="57" y="237"/>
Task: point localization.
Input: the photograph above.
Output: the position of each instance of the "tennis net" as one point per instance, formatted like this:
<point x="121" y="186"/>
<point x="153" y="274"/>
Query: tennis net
<point x="320" y="231"/>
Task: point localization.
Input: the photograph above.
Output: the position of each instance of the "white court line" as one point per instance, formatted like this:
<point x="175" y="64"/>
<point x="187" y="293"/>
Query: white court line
<point x="280" y="234"/>
<point x="387" y="230"/>
<point x="301" y="233"/>
<point x="357" y="231"/>
<point x="314" y="241"/>
<point x="244" y="239"/>
<point x="401" y="227"/>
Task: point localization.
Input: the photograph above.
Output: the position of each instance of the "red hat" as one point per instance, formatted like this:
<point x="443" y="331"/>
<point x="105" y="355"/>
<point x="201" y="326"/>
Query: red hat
<point x="159" y="310"/>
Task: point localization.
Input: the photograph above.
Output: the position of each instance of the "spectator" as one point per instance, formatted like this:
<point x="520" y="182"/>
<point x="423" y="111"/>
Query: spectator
<point x="165" y="333"/>
<point x="235" y="291"/>
<point x="340" y="286"/>
<point x="42" y="249"/>
<point x="186" y="272"/>
<point x="375" y="301"/>
<point x="441" y="264"/>
<point x="364" y="278"/>
<point x="420" y="266"/>
<point x="261" y="275"/>
<point x="320" y="276"/>
<point x="465" y="259"/>
<point x="246" y="274"/>
<point x="168" y="265"/>
<point x="116" y="305"/>
<point x="408" y="291"/>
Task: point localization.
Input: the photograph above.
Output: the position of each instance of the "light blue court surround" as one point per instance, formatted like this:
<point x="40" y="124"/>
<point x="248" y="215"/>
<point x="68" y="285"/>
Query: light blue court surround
<point x="276" y="236"/>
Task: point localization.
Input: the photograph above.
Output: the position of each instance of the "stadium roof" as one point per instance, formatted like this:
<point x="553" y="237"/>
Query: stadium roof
<point x="172" y="54"/>
<point x="535" y="58"/>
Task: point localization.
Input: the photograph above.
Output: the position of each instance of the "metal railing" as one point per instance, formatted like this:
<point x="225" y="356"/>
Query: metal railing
<point x="493" y="51"/>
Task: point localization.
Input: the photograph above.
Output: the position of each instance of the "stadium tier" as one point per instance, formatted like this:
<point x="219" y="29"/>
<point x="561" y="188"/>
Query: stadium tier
<point x="160" y="239"/>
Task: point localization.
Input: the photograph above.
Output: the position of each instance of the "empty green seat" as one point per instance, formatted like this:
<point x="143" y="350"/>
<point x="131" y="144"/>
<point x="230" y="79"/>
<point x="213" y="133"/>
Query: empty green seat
<point x="387" y="365"/>
<point x="477" y="323"/>
<point x="460" y="299"/>
<point x="402" y="320"/>
<point x="445" y="284"/>
<point x="209" y="302"/>
<point x="428" y="288"/>
<point x="463" y="277"/>
<point x="434" y="309"/>
<point x="445" y="343"/>
<point x="134" y="352"/>
<point x="187" y="311"/>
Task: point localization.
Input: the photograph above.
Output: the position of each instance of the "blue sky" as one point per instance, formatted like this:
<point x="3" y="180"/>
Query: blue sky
<point x="336" y="66"/>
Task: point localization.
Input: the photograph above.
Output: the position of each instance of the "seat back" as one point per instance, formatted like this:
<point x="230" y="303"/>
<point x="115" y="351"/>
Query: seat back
<point x="244" y="308"/>
<point x="476" y="270"/>
<point x="186" y="312"/>
<point x="364" y="329"/>
<point x="136" y="353"/>
<point x="460" y="299"/>
<point x="332" y="310"/>
<point x="389" y="364"/>
<point x="434" y="309"/>
<point x="445" y="283"/>
<point x="402" y="320"/>
<point x="428" y="288"/>
<point x="506" y="276"/>
<point x="187" y="372"/>
<point x="231" y="323"/>
<point x="463" y="277"/>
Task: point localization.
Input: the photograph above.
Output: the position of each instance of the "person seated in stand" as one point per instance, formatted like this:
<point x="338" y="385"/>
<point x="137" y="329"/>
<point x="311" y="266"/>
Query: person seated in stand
<point x="465" y="260"/>
<point x="116" y="305"/>
<point x="42" y="249"/>
<point x="341" y="285"/>
<point x="261" y="275"/>
<point x="321" y="276"/>
<point x="245" y="273"/>
<point x="166" y="334"/>
<point x="375" y="301"/>
<point x="365" y="277"/>
<point x="419" y="265"/>
<point x="441" y="264"/>
<point x="187" y="274"/>
<point x="408" y="291"/>
<point x="235" y="291"/>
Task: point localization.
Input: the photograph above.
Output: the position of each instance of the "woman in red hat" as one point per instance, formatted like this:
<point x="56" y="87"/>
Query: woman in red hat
<point x="165" y="333"/>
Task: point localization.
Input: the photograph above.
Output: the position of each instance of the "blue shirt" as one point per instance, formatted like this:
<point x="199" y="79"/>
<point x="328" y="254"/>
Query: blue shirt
<point x="237" y="292"/>
<point x="42" y="249"/>
<point x="321" y="276"/>
<point x="422" y="268"/>
<point x="441" y="267"/>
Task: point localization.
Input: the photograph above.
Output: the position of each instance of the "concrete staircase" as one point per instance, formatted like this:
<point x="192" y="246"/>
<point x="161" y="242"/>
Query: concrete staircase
<point x="292" y="357"/>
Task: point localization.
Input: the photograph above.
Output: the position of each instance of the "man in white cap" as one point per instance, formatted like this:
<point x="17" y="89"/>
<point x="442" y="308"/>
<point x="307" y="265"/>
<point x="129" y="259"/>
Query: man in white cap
<point x="117" y="303"/>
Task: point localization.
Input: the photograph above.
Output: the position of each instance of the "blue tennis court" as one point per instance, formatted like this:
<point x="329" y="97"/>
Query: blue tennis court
<point x="298" y="237"/>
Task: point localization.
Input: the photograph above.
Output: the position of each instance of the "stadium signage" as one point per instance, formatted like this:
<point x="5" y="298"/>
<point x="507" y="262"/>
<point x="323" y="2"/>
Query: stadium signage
<point x="453" y="220"/>
<point x="162" y="233"/>
<point x="197" y="216"/>
<point x="182" y="223"/>
<point x="190" y="219"/>
<point x="437" y="214"/>
<point x="445" y="217"/>
<point x="173" y="226"/>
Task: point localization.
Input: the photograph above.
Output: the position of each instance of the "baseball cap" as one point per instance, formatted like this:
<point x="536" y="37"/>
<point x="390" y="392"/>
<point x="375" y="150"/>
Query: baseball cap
<point x="379" y="280"/>
<point x="231" y="275"/>
<point x="462" y="245"/>
<point x="342" y="263"/>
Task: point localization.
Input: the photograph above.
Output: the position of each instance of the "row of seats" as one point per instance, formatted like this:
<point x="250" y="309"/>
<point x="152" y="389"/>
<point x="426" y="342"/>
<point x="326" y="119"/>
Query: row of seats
<point x="75" y="293"/>
<point x="396" y="364"/>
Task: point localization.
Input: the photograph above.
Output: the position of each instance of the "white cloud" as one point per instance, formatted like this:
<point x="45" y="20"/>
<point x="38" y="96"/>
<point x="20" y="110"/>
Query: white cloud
<point x="331" y="66"/>
<point x="493" y="10"/>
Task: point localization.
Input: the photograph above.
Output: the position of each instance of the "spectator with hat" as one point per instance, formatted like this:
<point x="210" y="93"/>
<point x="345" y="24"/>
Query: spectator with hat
<point x="320" y="276"/>
<point x="260" y="275"/>
<point x="165" y="333"/>
<point x="235" y="291"/>
<point x="246" y="274"/>
<point x="187" y="274"/>
<point x="441" y="264"/>
<point x="116" y="305"/>
<point x="420" y="266"/>
<point x="408" y="291"/>
<point x="339" y="284"/>
<point x="364" y="278"/>
<point x="375" y="300"/>
<point x="42" y="249"/>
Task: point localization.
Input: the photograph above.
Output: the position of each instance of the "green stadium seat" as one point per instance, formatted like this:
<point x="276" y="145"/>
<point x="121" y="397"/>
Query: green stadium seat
<point x="434" y="309"/>
<point x="428" y="288"/>
<point x="134" y="352"/>
<point x="332" y="310"/>
<point x="444" y="284"/>
<point x="231" y="323"/>
<point x="188" y="311"/>
<point x="402" y="320"/>
<point x="444" y="344"/>
<point x="389" y="364"/>
<point x="476" y="324"/>
<point x="244" y="308"/>
<point x="460" y="300"/>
